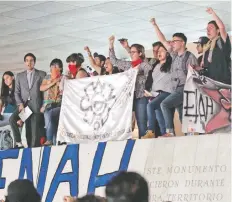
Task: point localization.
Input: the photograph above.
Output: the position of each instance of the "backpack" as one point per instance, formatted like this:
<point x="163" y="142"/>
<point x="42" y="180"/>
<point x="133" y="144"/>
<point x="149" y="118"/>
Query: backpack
<point x="6" y="140"/>
<point x="184" y="61"/>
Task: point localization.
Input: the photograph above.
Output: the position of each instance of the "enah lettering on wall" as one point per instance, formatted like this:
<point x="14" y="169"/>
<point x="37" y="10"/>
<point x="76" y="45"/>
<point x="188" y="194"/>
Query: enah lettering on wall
<point x="175" y="176"/>
<point x="207" y="104"/>
<point x="67" y="170"/>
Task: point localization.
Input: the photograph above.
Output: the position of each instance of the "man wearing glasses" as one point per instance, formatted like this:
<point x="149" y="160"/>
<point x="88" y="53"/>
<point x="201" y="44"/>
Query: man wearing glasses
<point x="181" y="59"/>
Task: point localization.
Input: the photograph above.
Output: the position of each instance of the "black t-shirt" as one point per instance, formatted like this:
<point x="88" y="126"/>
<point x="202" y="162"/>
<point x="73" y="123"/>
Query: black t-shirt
<point x="220" y="67"/>
<point x="9" y="99"/>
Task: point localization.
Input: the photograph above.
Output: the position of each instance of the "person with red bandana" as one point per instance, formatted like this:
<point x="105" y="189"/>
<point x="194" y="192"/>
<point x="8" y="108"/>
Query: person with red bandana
<point x="75" y="69"/>
<point x="137" y="53"/>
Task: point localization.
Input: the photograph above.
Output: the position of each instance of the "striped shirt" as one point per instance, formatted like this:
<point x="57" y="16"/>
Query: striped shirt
<point x="143" y="71"/>
<point x="161" y="80"/>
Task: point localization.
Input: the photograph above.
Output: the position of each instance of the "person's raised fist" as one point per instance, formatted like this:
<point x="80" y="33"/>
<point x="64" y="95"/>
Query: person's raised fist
<point x="153" y="22"/>
<point x="124" y="43"/>
<point x="86" y="48"/>
<point x="111" y="39"/>
<point x="210" y="10"/>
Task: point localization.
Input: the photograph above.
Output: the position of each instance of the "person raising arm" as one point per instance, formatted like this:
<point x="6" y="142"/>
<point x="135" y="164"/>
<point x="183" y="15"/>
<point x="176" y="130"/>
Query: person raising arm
<point x="216" y="59"/>
<point x="181" y="59"/>
<point x="137" y="53"/>
<point x="97" y="62"/>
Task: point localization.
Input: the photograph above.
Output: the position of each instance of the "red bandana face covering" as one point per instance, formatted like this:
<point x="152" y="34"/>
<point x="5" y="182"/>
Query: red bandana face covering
<point x="136" y="62"/>
<point x="73" y="70"/>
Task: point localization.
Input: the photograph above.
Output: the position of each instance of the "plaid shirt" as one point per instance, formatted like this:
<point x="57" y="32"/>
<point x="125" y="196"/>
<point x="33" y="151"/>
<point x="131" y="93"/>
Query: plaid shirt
<point x="143" y="70"/>
<point x="177" y="72"/>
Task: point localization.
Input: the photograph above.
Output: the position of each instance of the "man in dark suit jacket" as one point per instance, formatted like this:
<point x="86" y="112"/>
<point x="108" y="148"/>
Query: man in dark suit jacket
<point x="27" y="93"/>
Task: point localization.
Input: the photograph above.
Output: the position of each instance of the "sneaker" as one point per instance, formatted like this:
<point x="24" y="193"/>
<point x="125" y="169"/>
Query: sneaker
<point x="149" y="134"/>
<point x="1" y="117"/>
<point x="168" y="135"/>
<point x="47" y="143"/>
<point x="19" y="145"/>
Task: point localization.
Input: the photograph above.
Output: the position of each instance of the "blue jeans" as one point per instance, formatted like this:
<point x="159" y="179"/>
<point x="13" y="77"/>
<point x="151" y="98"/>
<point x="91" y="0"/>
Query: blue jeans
<point x="141" y="115"/>
<point x="154" y="112"/>
<point x="174" y="100"/>
<point x="51" y="118"/>
<point x="10" y="108"/>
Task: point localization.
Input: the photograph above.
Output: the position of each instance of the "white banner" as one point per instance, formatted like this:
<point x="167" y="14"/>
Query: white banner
<point x="97" y="109"/>
<point x="181" y="169"/>
<point x="207" y="105"/>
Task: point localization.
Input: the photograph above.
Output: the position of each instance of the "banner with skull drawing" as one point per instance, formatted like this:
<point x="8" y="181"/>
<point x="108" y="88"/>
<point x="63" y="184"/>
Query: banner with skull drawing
<point x="97" y="109"/>
<point x="207" y="105"/>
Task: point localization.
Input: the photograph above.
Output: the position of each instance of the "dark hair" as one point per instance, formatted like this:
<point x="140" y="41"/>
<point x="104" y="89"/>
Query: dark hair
<point x="114" y="71"/>
<point x="22" y="191"/>
<point x="102" y="58"/>
<point x="127" y="187"/>
<point x="90" y="198"/>
<point x="180" y="35"/>
<point x="5" y="88"/>
<point x="140" y="49"/>
<point x="83" y="70"/>
<point x="31" y="55"/>
<point x="214" y="23"/>
<point x="58" y="62"/>
<point x="157" y="43"/>
<point x="167" y="65"/>
<point x="76" y="57"/>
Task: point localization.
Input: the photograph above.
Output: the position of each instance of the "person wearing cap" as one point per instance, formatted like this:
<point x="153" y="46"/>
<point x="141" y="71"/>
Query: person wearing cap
<point x="216" y="53"/>
<point x="200" y="45"/>
<point x="96" y="61"/>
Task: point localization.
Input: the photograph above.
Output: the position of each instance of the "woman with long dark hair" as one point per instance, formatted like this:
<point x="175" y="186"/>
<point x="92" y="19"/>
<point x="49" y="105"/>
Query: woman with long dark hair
<point x="110" y="69"/>
<point x="7" y="100"/>
<point x="160" y="87"/>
